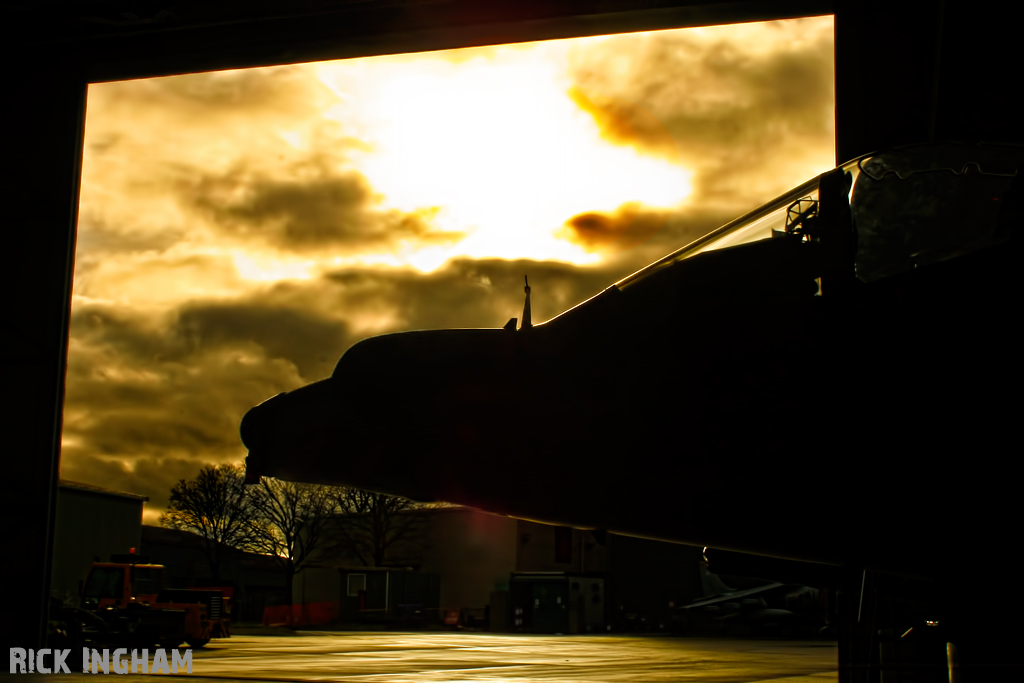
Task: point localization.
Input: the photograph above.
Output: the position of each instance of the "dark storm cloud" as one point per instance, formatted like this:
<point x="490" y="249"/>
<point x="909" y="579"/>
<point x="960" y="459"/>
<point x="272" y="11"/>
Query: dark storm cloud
<point x="738" y="116"/>
<point x="627" y="123"/>
<point x="298" y="335"/>
<point x="126" y="407"/>
<point x="633" y="236"/>
<point x="318" y="208"/>
<point x="470" y="293"/>
<point x="152" y="398"/>
<point x="625" y="228"/>
<point x="258" y="323"/>
<point x="176" y="385"/>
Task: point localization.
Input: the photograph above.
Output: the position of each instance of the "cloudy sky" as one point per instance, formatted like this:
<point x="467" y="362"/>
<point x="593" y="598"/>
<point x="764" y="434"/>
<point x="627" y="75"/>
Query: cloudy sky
<point x="240" y="230"/>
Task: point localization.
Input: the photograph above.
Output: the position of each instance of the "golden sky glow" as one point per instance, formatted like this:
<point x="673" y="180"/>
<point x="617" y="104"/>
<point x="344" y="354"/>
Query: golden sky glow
<point x="508" y="108"/>
<point x="239" y="230"/>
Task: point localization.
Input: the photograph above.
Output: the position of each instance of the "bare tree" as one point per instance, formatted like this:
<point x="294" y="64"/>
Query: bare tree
<point x="289" y="521"/>
<point x="379" y="529"/>
<point x="214" y="506"/>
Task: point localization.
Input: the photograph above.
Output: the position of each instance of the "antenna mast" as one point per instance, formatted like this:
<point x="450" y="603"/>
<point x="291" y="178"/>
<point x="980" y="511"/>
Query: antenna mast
<point x="527" y="322"/>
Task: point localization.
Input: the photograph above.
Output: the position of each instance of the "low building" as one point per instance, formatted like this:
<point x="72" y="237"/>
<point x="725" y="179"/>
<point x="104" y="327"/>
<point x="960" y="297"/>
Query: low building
<point x="503" y="574"/>
<point x="92" y="524"/>
<point x="473" y="553"/>
<point x="565" y="578"/>
<point x="257" y="581"/>
<point x="453" y="563"/>
<point x="393" y="595"/>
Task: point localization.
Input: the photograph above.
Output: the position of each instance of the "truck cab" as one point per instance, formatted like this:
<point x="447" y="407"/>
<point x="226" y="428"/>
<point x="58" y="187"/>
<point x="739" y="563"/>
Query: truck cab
<point x="112" y="584"/>
<point x="128" y="596"/>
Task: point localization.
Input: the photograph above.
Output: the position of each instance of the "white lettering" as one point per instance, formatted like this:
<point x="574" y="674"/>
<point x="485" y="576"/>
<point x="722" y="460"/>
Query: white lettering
<point x="137" y="660"/>
<point x="18" y="660"/>
<point x="39" y="661"/>
<point x="117" y="663"/>
<point x="178" y="660"/>
<point x="160" y="662"/>
<point x="103" y="664"/>
<point x="58" y="661"/>
<point x="24" y="660"/>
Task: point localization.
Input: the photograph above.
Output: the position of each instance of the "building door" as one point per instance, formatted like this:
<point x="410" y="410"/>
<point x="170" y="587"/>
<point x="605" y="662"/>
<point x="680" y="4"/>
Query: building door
<point x="550" y="611"/>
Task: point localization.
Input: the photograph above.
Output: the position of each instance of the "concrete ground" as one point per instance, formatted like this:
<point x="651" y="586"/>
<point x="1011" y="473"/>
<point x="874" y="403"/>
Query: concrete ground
<point x="445" y="656"/>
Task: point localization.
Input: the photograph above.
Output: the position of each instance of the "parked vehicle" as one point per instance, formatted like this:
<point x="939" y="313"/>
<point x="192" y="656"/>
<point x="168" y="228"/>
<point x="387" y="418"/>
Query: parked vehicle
<point x="124" y="602"/>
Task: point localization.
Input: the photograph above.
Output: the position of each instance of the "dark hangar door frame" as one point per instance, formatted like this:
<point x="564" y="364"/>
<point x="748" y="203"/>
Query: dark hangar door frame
<point x="905" y="72"/>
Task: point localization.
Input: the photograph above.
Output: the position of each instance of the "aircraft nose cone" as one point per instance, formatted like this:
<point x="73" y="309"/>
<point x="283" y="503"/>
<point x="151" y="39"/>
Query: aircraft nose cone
<point x="254" y="427"/>
<point x="289" y="434"/>
<point x="255" y="431"/>
<point x="252" y="475"/>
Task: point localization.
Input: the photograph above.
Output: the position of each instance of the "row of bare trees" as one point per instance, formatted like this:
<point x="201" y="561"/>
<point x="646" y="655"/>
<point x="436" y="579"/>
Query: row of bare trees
<point x="293" y="523"/>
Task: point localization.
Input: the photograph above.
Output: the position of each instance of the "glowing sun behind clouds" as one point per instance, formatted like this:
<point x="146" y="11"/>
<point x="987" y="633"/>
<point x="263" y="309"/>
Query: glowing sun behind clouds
<point x="497" y="143"/>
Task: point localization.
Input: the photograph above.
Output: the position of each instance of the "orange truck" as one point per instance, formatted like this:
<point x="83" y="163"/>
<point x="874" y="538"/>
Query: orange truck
<point x="124" y="602"/>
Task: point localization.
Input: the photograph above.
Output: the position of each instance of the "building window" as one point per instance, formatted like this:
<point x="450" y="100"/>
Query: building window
<point x="356" y="583"/>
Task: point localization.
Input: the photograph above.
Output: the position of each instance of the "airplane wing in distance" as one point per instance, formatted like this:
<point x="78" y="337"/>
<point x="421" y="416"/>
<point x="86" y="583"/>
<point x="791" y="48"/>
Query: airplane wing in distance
<point x="729" y="597"/>
<point x="768" y="608"/>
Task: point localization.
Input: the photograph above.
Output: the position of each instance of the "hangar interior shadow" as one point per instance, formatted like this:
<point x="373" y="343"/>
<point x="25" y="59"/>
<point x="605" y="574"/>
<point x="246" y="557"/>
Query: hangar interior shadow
<point x="912" y="72"/>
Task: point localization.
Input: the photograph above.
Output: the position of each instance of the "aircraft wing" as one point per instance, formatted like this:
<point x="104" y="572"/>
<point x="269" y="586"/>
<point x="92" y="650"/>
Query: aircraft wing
<point x="728" y="597"/>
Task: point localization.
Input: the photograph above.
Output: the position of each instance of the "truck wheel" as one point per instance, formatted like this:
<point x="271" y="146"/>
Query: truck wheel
<point x="198" y="642"/>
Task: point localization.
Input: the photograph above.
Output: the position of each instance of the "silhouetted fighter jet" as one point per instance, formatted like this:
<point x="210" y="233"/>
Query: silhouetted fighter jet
<point x="833" y="378"/>
<point x="755" y="606"/>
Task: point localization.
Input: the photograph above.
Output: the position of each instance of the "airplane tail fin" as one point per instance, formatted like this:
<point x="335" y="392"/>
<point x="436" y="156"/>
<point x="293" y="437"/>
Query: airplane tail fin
<point x="711" y="584"/>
